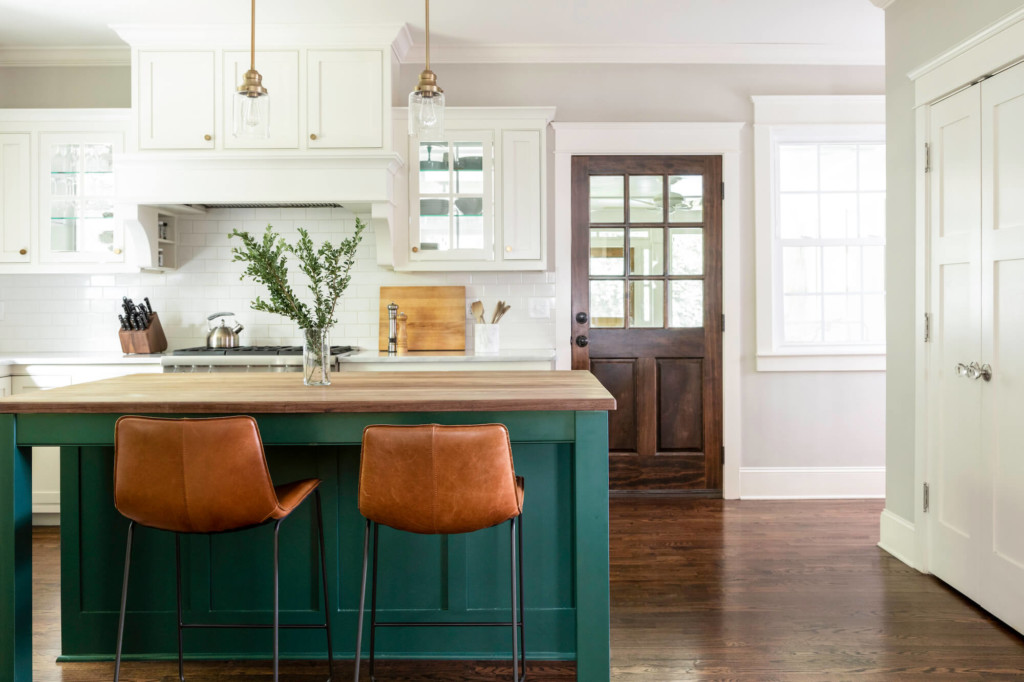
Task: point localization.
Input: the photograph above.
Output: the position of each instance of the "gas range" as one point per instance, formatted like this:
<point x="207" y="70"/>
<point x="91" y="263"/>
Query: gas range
<point x="243" y="359"/>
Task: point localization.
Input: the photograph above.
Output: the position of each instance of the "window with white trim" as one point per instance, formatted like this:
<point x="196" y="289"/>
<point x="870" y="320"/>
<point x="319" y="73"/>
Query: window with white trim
<point x="820" y="245"/>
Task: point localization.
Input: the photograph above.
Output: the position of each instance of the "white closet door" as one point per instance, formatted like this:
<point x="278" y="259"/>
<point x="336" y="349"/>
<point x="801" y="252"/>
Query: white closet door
<point x="957" y="477"/>
<point x="1002" y="324"/>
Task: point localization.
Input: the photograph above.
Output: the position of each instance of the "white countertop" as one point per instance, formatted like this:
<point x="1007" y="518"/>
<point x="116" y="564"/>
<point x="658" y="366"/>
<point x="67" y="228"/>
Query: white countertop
<point x="78" y="358"/>
<point x="438" y="356"/>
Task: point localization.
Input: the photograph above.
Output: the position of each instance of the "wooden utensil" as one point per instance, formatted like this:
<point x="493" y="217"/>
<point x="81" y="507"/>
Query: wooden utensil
<point x="504" y="309"/>
<point x="497" y="312"/>
<point x="478" y="311"/>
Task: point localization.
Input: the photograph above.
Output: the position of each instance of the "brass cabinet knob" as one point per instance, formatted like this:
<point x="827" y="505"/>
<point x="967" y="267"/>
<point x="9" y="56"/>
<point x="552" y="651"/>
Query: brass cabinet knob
<point x="207" y="137"/>
<point x="117" y="251"/>
<point x="312" y="136"/>
<point x="23" y="252"/>
<point x="415" y="249"/>
<point x="508" y="249"/>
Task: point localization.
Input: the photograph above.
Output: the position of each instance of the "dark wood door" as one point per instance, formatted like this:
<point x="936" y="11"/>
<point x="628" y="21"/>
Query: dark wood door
<point x="647" y="312"/>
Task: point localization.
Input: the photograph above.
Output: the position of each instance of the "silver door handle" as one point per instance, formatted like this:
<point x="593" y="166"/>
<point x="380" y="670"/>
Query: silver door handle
<point x="980" y="371"/>
<point x="962" y="370"/>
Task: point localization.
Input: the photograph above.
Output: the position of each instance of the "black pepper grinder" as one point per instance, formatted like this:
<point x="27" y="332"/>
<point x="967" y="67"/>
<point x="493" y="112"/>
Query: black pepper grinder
<point x="392" y="328"/>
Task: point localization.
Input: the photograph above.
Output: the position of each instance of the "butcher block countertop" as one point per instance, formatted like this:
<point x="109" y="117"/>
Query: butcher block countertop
<point x="268" y="393"/>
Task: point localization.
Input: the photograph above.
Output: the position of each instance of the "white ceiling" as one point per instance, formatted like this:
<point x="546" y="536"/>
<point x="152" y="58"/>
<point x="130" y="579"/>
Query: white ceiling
<point x="829" y="31"/>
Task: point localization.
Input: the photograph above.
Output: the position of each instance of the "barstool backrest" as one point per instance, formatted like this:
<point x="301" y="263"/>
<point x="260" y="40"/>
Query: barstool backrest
<point x="438" y="479"/>
<point x="192" y="475"/>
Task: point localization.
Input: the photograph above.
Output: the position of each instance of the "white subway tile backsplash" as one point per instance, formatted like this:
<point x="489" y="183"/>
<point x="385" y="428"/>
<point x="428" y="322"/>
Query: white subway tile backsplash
<point x="84" y="308"/>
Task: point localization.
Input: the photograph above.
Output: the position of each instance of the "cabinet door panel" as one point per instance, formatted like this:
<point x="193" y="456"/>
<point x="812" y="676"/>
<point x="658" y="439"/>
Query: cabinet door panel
<point x="345" y="106"/>
<point x="176" y="100"/>
<point x="521" y="194"/>
<point x="280" y="71"/>
<point x="15" y="198"/>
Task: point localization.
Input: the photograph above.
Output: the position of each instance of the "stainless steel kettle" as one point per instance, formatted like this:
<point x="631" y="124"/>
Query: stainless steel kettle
<point x="222" y="336"/>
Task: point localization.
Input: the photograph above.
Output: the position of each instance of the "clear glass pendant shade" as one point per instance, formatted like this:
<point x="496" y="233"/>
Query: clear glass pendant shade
<point x="252" y="117"/>
<point x="426" y="115"/>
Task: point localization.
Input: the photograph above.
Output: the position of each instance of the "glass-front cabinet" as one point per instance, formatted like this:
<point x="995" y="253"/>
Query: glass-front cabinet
<point x="76" y="191"/>
<point x="452" y="194"/>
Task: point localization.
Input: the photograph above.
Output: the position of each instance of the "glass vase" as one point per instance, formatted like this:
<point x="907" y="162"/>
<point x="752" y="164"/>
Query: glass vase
<point x="316" y="357"/>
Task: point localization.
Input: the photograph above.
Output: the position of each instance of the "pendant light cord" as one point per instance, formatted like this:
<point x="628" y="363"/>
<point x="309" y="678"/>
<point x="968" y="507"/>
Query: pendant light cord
<point x="427" y="3"/>
<point x="252" y="43"/>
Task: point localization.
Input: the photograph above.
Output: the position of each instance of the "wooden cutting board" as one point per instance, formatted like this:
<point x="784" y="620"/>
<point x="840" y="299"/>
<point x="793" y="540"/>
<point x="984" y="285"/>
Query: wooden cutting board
<point x="437" y="316"/>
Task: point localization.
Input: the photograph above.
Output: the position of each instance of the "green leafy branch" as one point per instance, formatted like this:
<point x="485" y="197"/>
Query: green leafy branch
<point x="328" y="268"/>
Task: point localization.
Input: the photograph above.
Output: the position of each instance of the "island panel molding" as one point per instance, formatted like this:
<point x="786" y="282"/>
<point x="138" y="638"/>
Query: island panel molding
<point x="283" y="393"/>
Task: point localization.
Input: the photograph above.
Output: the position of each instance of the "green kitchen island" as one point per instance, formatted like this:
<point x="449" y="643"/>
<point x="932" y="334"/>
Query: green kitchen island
<point x="558" y="425"/>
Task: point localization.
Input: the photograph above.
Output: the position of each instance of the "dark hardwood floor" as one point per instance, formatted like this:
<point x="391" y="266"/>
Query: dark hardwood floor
<point x="701" y="590"/>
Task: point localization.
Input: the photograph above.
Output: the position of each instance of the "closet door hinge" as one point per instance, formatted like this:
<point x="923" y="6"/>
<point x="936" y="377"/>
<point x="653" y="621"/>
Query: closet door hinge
<point x="926" y="495"/>
<point x="927" y="327"/>
<point x="723" y="322"/>
<point x="927" y="158"/>
<point x="723" y="192"/>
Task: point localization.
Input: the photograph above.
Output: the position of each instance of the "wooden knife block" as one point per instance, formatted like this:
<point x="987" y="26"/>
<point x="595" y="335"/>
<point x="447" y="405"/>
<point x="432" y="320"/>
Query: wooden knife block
<point x="145" y="341"/>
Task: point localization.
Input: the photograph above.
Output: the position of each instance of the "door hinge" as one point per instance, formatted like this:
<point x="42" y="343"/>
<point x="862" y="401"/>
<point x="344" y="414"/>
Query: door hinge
<point x="927" y="158"/>
<point x="723" y="322"/>
<point x="723" y="192"/>
<point x="927" y="327"/>
<point x="723" y="454"/>
<point x="926" y="495"/>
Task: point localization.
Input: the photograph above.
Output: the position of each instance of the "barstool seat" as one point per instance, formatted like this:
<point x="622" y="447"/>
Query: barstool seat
<point x="434" y="479"/>
<point x="203" y="476"/>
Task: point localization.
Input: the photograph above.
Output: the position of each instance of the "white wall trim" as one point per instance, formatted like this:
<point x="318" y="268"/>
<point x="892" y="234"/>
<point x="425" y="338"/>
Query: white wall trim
<point x="883" y="4"/>
<point x="898" y="537"/>
<point x="824" y="362"/>
<point x="722" y="53"/>
<point x="663" y="139"/>
<point x="811" y="483"/>
<point x="65" y="56"/>
<point x="987" y="51"/>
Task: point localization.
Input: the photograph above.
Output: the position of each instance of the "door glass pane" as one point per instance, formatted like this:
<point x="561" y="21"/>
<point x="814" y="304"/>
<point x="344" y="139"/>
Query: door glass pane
<point x="98" y="158"/>
<point x="64" y="158"/>
<point x="469" y="232"/>
<point x="685" y="198"/>
<point x="647" y="303"/>
<point x="686" y="303"/>
<point x="434" y="175"/>
<point x="646" y="251"/>
<point x="686" y="251"/>
<point x="798" y="216"/>
<point x="646" y="199"/>
<point x="469" y="168"/>
<point x="607" y="194"/>
<point x="434" y="233"/>
<point x="62" y="235"/>
<point x="607" y="251"/>
<point x="81" y="208"/>
<point x="608" y="303"/>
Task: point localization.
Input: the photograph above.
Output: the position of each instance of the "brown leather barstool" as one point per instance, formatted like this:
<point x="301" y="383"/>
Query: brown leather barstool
<point x="204" y="476"/>
<point x="436" y="479"/>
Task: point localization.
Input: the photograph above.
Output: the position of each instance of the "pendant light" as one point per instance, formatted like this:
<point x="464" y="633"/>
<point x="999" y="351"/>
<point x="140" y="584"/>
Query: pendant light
<point x="252" y="112"/>
<point x="426" y="102"/>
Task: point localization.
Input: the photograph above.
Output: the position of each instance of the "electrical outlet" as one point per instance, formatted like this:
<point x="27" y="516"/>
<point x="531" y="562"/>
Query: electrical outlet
<point x="540" y="308"/>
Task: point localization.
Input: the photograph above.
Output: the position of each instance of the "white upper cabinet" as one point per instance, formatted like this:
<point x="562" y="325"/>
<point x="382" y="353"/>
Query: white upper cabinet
<point x="477" y="199"/>
<point x="177" y="99"/>
<point x="345" y="96"/>
<point x="280" y="71"/>
<point x="15" y="197"/>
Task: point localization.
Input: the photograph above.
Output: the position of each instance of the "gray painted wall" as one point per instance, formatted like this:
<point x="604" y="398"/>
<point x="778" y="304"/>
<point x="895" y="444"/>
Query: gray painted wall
<point x="47" y="87"/>
<point x="915" y="32"/>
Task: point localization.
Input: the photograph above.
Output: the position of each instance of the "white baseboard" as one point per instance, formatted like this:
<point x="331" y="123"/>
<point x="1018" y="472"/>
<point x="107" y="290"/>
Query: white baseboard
<point x="46" y="508"/>
<point x="45" y="519"/>
<point x="897" y="536"/>
<point x="811" y="483"/>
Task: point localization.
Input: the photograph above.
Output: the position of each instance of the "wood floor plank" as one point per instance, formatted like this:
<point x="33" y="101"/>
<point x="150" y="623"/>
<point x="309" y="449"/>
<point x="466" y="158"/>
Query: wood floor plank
<point x="793" y="591"/>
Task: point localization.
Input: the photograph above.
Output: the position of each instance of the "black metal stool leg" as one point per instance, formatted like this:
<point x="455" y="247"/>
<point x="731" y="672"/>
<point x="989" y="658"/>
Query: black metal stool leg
<point x="277" y="599"/>
<point x="522" y="608"/>
<point x="177" y="582"/>
<point x="515" y="598"/>
<point x="124" y="600"/>
<point x="323" y="574"/>
<point x="373" y="599"/>
<point x="362" y="600"/>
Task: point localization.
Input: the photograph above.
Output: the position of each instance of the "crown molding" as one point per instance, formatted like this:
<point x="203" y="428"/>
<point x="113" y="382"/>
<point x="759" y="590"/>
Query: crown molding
<point x="65" y="56"/>
<point x="312" y="36"/>
<point x="882" y="4"/>
<point x="731" y="53"/>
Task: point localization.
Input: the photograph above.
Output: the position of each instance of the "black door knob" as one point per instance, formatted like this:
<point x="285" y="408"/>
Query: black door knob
<point x="582" y="318"/>
<point x="582" y="341"/>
